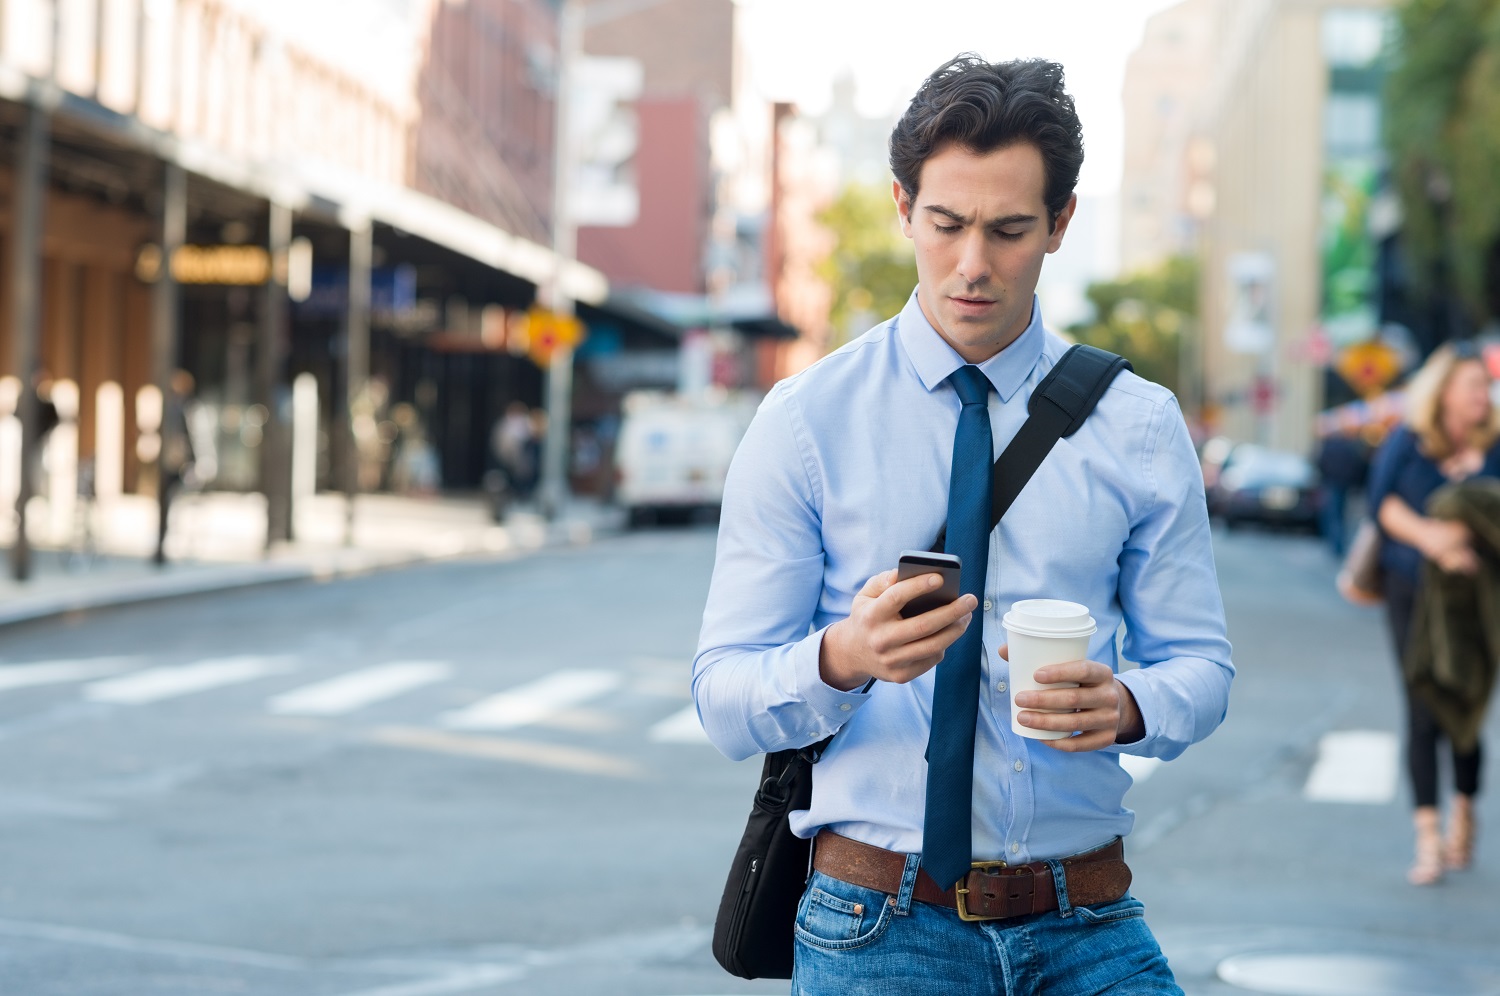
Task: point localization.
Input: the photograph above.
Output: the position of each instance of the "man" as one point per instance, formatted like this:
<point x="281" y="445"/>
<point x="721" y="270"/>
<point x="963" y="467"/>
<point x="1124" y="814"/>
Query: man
<point x="851" y="462"/>
<point x="1343" y="465"/>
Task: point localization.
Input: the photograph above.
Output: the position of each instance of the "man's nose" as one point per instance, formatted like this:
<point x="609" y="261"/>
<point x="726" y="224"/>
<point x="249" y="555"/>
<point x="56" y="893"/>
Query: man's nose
<point x="973" y="264"/>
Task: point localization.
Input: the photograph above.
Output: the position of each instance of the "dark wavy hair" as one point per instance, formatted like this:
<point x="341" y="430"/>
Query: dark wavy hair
<point x="983" y="106"/>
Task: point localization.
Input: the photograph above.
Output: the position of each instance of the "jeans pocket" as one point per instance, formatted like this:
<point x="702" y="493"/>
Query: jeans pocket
<point x="1124" y="908"/>
<point x="839" y="916"/>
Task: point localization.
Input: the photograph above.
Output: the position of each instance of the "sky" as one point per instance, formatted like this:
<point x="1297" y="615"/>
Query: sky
<point x="796" y="48"/>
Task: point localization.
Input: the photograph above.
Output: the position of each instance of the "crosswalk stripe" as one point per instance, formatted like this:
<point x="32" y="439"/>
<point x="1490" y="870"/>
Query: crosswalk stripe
<point x="534" y="702"/>
<point x="681" y="727"/>
<point x="58" y="672"/>
<point x="1358" y="766"/>
<point x="157" y="683"/>
<point x="357" y="689"/>
<point x="500" y="749"/>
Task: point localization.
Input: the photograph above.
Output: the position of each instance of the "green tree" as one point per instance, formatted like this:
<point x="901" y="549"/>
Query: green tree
<point x="1442" y="125"/>
<point x="871" y="269"/>
<point x="1144" y="316"/>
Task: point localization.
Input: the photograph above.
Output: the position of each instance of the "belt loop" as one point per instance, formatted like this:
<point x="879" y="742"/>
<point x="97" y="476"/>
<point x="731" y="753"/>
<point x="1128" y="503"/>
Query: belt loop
<point x="1060" y="883"/>
<point x="908" y="883"/>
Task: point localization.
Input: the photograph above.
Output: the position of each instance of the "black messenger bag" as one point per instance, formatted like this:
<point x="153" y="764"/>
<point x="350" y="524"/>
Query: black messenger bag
<point x="753" y="929"/>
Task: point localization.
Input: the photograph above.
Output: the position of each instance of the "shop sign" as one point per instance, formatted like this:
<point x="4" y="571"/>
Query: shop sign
<point x="1368" y="366"/>
<point x="393" y="294"/>
<point x="547" y="332"/>
<point x="1250" y="327"/>
<point x="240" y="266"/>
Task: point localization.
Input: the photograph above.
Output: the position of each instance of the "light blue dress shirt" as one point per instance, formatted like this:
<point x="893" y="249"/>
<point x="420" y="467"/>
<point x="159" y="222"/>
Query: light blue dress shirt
<point x="847" y="464"/>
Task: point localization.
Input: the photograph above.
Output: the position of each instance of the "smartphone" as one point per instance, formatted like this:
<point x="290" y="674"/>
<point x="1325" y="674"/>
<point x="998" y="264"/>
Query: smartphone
<point x="914" y="563"/>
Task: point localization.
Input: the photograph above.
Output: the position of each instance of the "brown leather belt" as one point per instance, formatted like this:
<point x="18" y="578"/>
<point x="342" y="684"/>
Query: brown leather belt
<point x="993" y="890"/>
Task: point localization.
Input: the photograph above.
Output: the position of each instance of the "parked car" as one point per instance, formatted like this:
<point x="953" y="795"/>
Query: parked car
<point x="1273" y="487"/>
<point x="674" y="451"/>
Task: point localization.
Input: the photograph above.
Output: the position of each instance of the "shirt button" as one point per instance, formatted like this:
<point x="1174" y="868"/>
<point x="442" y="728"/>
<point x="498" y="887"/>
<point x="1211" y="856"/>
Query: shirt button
<point x="1020" y="766"/>
<point x="1015" y="848"/>
<point x="845" y="707"/>
<point x="1000" y="686"/>
<point x="988" y="605"/>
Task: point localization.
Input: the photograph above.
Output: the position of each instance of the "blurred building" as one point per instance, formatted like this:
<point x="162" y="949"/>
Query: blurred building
<point x="720" y="245"/>
<point x="804" y="173"/>
<point x="1291" y="129"/>
<point x="859" y="144"/>
<point x="213" y="178"/>
<point x="688" y="53"/>
<point x="1168" y="79"/>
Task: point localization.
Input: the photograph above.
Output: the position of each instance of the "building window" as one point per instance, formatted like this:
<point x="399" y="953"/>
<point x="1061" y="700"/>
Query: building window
<point x="1351" y="124"/>
<point x="1354" y="38"/>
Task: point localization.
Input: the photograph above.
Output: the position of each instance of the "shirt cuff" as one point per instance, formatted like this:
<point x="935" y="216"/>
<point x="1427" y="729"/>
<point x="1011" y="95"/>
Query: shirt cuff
<point x="1145" y="701"/>
<point x="832" y="705"/>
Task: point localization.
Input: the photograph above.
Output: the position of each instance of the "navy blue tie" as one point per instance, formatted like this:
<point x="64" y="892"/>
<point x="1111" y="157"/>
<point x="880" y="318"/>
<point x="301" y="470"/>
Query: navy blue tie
<point x="947" y="843"/>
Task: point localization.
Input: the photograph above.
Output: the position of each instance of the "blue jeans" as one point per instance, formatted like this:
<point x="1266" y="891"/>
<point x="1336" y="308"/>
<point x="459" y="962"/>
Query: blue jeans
<point x="855" y="940"/>
<point x="1333" y="518"/>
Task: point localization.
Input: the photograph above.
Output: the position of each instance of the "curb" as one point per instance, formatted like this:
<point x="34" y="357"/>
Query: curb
<point x="27" y="608"/>
<point x="229" y="577"/>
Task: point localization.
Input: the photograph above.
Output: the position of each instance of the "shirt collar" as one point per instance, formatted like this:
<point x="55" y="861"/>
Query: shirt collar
<point x="935" y="360"/>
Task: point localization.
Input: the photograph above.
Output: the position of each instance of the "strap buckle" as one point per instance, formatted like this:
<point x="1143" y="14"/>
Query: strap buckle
<point x="1019" y="884"/>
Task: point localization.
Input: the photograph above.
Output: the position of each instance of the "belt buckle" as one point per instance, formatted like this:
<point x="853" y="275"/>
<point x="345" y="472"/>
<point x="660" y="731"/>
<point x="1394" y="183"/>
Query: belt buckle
<point x="961" y="890"/>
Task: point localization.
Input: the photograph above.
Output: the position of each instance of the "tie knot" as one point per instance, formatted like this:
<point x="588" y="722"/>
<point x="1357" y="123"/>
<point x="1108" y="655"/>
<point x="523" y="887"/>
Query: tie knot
<point x="972" y="385"/>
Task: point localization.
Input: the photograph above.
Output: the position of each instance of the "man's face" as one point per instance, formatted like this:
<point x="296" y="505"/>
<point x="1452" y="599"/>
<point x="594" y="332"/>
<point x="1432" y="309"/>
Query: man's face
<point x="979" y="227"/>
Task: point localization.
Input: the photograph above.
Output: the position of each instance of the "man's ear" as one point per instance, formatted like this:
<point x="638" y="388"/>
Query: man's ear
<point x="903" y="206"/>
<point x="1060" y="226"/>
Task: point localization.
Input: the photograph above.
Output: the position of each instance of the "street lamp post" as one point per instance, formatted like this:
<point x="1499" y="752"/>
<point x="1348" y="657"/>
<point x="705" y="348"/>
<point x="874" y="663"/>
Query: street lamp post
<point x="554" y="485"/>
<point x="28" y="197"/>
<point x="572" y="20"/>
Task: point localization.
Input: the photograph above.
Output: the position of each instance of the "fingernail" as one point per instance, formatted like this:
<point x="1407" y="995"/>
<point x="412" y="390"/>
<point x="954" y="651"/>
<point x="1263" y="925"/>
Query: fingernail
<point x="933" y="580"/>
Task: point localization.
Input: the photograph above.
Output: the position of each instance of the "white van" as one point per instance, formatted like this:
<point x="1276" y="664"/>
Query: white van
<point x="673" y="451"/>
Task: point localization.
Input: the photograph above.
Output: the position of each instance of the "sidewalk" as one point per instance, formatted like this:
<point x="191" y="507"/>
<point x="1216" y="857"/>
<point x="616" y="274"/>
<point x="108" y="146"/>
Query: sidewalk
<point x="216" y="542"/>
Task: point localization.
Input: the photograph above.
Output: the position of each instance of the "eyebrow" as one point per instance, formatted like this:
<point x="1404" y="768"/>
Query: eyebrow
<point x="1010" y="219"/>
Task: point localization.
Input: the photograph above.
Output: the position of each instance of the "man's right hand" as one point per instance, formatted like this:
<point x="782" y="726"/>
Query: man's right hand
<point x="876" y="642"/>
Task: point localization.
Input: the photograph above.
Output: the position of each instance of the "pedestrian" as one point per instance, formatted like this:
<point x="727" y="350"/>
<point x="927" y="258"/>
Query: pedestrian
<point x="175" y="463"/>
<point x="1451" y="433"/>
<point x="511" y="441"/>
<point x="1343" y="465"/>
<point x="850" y="462"/>
<point x="415" y="469"/>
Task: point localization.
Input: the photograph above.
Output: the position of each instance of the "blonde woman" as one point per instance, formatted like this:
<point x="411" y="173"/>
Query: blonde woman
<point x="1452" y="433"/>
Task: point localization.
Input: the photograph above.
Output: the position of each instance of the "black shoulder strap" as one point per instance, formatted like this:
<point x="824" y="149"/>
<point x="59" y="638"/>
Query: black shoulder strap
<point x="1058" y="407"/>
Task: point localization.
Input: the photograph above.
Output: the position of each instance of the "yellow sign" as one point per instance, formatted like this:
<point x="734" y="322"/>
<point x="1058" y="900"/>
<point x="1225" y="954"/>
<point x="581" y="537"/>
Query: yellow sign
<point x="231" y="265"/>
<point x="1368" y="366"/>
<point x="547" y="332"/>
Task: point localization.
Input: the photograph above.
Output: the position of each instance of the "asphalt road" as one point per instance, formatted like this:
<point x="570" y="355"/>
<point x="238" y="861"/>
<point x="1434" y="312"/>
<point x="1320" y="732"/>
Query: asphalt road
<point x="479" y="777"/>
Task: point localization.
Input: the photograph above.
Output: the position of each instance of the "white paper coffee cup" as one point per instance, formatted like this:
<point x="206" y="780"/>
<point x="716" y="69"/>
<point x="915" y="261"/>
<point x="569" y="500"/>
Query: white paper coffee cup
<point x="1043" y="631"/>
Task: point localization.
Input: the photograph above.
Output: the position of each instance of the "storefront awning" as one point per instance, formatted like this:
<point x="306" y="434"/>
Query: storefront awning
<point x="321" y="189"/>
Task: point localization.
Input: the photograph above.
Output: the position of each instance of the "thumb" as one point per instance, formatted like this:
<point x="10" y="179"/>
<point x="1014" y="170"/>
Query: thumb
<point x="876" y="586"/>
<point x="1004" y="652"/>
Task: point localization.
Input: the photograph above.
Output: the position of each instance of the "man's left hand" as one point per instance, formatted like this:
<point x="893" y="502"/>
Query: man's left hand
<point x="1101" y="709"/>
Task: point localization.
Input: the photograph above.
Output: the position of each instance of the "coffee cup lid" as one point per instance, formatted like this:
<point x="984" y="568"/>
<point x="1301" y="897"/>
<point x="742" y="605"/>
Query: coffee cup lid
<point x="1049" y="617"/>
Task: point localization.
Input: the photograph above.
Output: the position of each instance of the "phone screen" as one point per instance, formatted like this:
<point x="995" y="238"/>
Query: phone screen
<point x="914" y="563"/>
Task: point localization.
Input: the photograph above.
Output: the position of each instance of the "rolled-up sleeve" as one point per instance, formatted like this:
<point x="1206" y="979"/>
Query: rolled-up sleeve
<point x="1174" y="615"/>
<point x="756" y="681"/>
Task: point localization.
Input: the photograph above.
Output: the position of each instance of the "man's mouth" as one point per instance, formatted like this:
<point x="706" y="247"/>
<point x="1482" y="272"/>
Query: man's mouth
<point x="973" y="302"/>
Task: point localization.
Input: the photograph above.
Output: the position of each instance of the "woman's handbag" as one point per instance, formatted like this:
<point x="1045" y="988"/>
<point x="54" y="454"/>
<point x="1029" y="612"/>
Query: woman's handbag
<point x="753" y="930"/>
<point x="1359" y="579"/>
